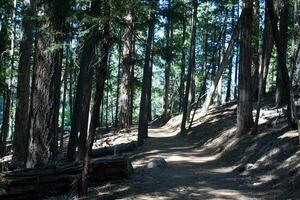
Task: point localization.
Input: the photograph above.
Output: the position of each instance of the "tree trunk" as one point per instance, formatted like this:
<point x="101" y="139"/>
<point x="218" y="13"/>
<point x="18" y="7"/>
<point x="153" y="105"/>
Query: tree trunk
<point x="223" y="64"/>
<point x="132" y="74"/>
<point x="255" y="50"/>
<point x="71" y="86"/>
<point x="23" y="88"/>
<point x="244" y="110"/>
<point x="264" y="62"/>
<point x="183" y="63"/>
<point x="168" y="52"/>
<point x="143" y="115"/>
<point x="42" y="147"/>
<point x="150" y="85"/>
<point x="118" y="81"/>
<point x="229" y="81"/>
<point x="65" y="87"/>
<point x="190" y="68"/>
<point x="83" y="88"/>
<point x="125" y="90"/>
<point x="101" y="77"/>
<point x="296" y="49"/>
<point x="205" y="69"/>
<point x="5" y="122"/>
<point x="85" y="116"/>
<point x="107" y="104"/>
<point x="280" y="38"/>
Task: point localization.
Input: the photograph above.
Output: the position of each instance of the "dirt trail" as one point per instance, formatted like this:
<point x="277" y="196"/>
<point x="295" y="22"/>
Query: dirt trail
<point x="192" y="173"/>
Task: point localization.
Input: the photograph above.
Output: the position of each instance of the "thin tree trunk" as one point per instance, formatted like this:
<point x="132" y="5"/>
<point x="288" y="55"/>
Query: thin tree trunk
<point x="150" y="85"/>
<point x="264" y="62"/>
<point x="125" y="90"/>
<point x="143" y="115"/>
<point x="65" y="87"/>
<point x="85" y="115"/>
<point x="244" y="110"/>
<point x="107" y="105"/>
<point x="280" y="38"/>
<point x="70" y="94"/>
<point x="190" y="68"/>
<point x="83" y="87"/>
<point x="255" y="50"/>
<point x="100" y="77"/>
<point x="223" y="64"/>
<point x="183" y="63"/>
<point x="5" y="122"/>
<point x="169" y="30"/>
<point x="228" y="92"/>
<point x="118" y="81"/>
<point x="205" y="64"/>
<point x="132" y="78"/>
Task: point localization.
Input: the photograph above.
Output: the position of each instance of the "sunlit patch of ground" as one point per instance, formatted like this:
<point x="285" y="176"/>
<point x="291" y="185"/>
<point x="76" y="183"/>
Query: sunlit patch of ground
<point x="212" y="162"/>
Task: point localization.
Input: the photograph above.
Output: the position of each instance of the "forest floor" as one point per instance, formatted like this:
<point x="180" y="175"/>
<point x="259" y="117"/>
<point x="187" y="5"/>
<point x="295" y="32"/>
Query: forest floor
<point x="212" y="162"/>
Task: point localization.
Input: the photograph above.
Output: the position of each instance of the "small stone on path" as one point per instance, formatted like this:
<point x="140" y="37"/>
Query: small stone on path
<point x="157" y="163"/>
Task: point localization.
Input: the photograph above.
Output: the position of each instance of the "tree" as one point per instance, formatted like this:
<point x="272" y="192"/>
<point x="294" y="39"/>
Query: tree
<point x="42" y="146"/>
<point x="190" y="68"/>
<point x="87" y="59"/>
<point x="264" y="61"/>
<point x="284" y="91"/>
<point x="23" y="88"/>
<point x="168" y="52"/>
<point x="144" y="108"/>
<point x="244" y="111"/>
<point x="183" y="64"/>
<point x="125" y="89"/>
<point x="223" y="63"/>
<point x="98" y="97"/>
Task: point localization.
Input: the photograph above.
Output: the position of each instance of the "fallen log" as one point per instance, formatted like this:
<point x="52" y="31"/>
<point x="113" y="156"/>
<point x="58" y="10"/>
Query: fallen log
<point x="61" y="179"/>
<point x="114" y="150"/>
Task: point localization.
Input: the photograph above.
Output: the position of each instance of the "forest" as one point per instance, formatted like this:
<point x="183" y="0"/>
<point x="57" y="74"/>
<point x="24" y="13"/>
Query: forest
<point x="149" y="99"/>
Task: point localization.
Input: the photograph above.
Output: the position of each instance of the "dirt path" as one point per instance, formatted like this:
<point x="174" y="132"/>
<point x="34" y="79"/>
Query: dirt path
<point x="192" y="173"/>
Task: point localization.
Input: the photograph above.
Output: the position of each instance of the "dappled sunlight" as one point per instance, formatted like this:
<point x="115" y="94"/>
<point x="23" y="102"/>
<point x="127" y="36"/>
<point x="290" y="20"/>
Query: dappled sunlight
<point x="223" y="169"/>
<point x="190" y="159"/>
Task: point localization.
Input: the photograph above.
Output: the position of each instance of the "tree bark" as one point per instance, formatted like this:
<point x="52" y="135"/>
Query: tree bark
<point x="118" y="82"/>
<point x="223" y="64"/>
<point x="65" y="87"/>
<point x="101" y="77"/>
<point x="5" y="122"/>
<point x="125" y="90"/>
<point x="280" y="37"/>
<point x="143" y="115"/>
<point x="87" y="58"/>
<point x="83" y="88"/>
<point x="190" y="68"/>
<point x="229" y="81"/>
<point x="42" y="147"/>
<point x="23" y="88"/>
<point x="255" y="50"/>
<point x="183" y="64"/>
<point x="168" y="52"/>
<point x="264" y="62"/>
<point x="244" y="110"/>
<point x="132" y="78"/>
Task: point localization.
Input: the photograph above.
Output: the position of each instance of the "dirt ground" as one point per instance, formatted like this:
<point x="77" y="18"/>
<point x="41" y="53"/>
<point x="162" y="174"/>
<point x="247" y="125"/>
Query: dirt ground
<point x="192" y="173"/>
<point x="212" y="162"/>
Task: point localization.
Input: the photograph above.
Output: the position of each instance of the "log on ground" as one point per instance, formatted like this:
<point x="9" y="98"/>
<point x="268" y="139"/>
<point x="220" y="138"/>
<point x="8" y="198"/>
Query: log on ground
<point x="114" y="150"/>
<point x="61" y="179"/>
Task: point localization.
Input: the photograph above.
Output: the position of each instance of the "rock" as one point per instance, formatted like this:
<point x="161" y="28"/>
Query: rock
<point x="157" y="163"/>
